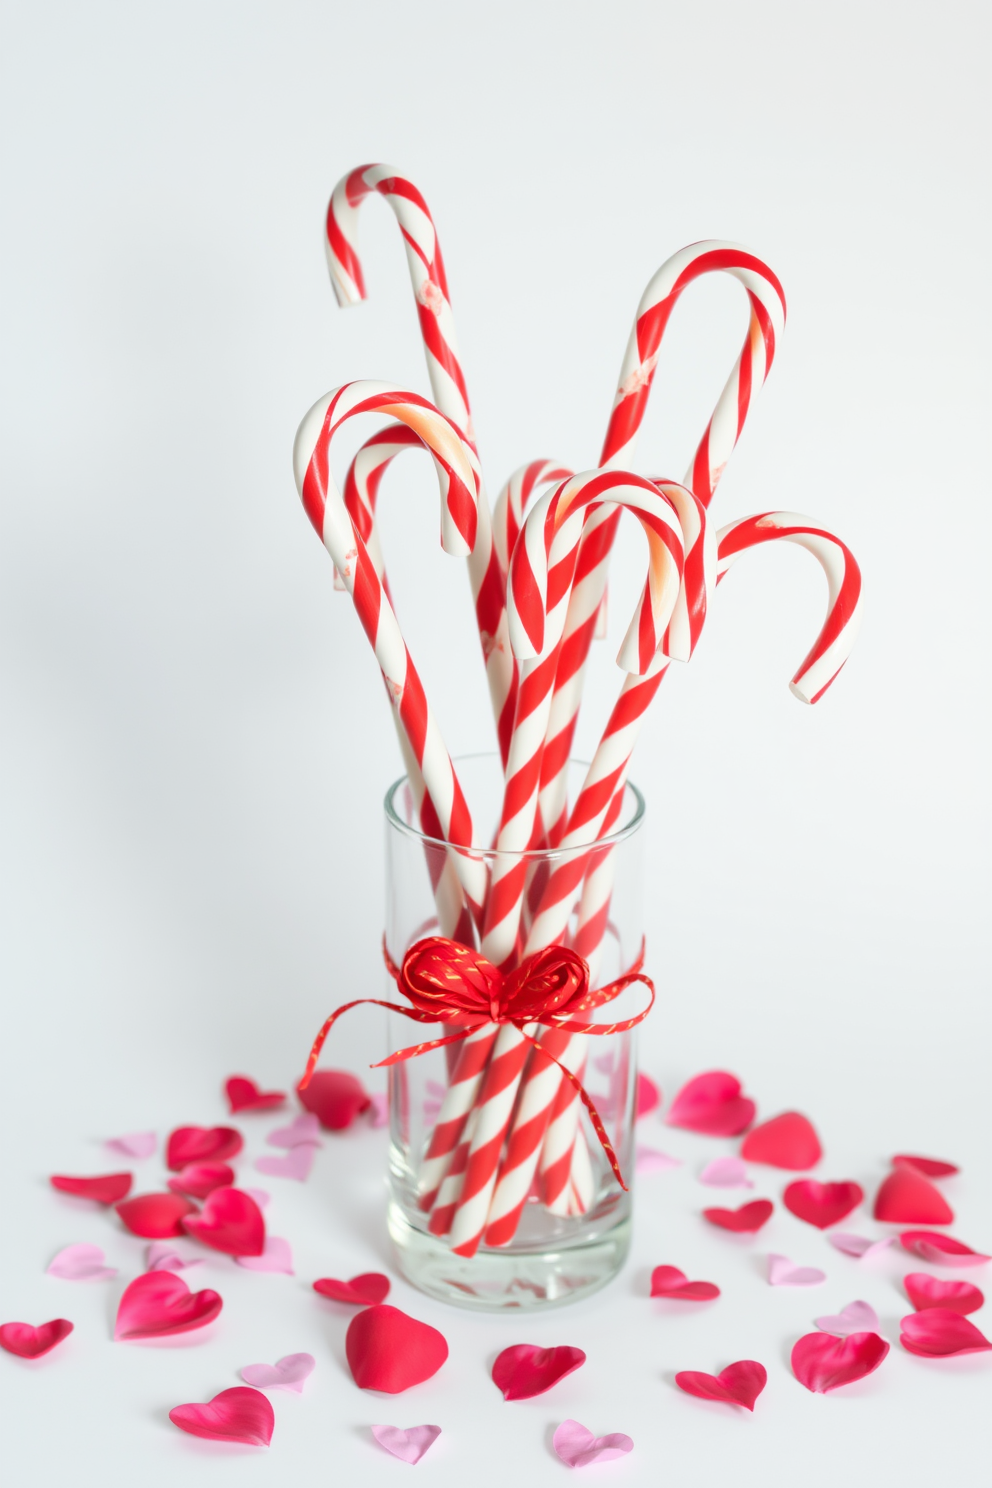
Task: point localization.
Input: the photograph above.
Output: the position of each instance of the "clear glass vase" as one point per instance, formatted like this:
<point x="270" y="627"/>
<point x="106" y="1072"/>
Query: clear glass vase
<point x="557" y="1223"/>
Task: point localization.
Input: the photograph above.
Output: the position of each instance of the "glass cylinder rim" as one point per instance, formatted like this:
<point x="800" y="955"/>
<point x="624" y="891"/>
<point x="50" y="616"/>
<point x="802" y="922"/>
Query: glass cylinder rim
<point x="394" y="819"/>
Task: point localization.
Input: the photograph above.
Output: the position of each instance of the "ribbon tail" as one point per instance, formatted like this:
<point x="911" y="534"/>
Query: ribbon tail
<point x="586" y="1099"/>
<point x="415" y="1049"/>
<point x="319" y="1041"/>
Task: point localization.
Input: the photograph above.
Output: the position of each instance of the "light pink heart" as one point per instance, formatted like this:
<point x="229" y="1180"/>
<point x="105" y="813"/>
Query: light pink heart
<point x="288" y="1373"/>
<point x="856" y="1317"/>
<point x="857" y="1245"/>
<point x="277" y="1256"/>
<point x="134" y="1144"/>
<point x="296" y="1164"/>
<point x="379" y="1109"/>
<point x="408" y="1443"/>
<point x="782" y="1272"/>
<point x="302" y="1131"/>
<point x="651" y="1160"/>
<point x="163" y="1255"/>
<point x="576" y="1445"/>
<point x="81" y="1263"/>
<point x="725" y="1172"/>
<point x="259" y="1195"/>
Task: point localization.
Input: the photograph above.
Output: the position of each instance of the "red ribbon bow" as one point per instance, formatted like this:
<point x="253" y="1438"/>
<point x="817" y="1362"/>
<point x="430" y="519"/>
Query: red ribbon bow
<point x="450" y="983"/>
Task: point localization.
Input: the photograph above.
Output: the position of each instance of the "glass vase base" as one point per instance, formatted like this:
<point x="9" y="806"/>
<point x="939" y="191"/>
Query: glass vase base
<point x="512" y="1280"/>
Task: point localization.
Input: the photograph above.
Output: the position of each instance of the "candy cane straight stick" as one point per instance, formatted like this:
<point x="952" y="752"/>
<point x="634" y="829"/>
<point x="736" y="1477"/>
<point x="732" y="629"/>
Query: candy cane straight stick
<point x="437" y="328"/>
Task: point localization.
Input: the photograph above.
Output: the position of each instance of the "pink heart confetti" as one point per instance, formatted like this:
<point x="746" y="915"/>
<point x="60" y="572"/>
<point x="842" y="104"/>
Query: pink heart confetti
<point x="856" y="1317"/>
<point x="725" y="1172"/>
<point x="379" y="1116"/>
<point x="302" y="1131"/>
<point x="651" y="1160"/>
<point x="858" y="1245"/>
<point x="407" y="1443"/>
<point x="164" y="1256"/>
<point x="277" y="1256"/>
<point x="296" y="1164"/>
<point x="712" y="1103"/>
<point x="291" y="1372"/>
<point x="134" y="1144"/>
<point x="648" y="1096"/>
<point x="782" y="1272"/>
<point x="259" y="1195"/>
<point x="81" y="1263"/>
<point x="576" y="1445"/>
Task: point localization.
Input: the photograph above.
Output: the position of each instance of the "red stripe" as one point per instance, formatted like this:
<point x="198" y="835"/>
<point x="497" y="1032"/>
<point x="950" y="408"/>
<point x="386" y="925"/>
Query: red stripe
<point x="343" y="252"/>
<point x="744" y="377"/>
<point x="367" y="593"/>
<point x="413" y="711"/>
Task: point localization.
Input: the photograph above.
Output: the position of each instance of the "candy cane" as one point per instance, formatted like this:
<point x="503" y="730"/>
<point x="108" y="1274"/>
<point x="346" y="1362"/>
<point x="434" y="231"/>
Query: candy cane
<point x="437" y="328"/>
<point x="766" y="323"/>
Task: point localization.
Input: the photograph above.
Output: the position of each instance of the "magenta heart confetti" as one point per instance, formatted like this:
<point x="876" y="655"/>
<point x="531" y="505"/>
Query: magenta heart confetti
<point x="525" y="1370"/>
<point x="576" y="1445"/>
<point x="134" y="1144"/>
<point x="823" y="1362"/>
<point x="277" y="1256"/>
<point x="937" y="1333"/>
<point x="29" y="1342"/>
<point x="782" y="1272"/>
<point x="407" y="1443"/>
<point x="725" y="1172"/>
<point x="302" y="1131"/>
<point x="712" y="1103"/>
<point x="941" y="1250"/>
<point x="296" y="1164"/>
<point x="239" y="1415"/>
<point x="856" y="1317"/>
<point x="160" y="1304"/>
<point x="739" y="1384"/>
<point x="81" y="1263"/>
<point x="669" y="1281"/>
<point x="857" y="1245"/>
<point x="288" y="1373"/>
<point x="929" y="1291"/>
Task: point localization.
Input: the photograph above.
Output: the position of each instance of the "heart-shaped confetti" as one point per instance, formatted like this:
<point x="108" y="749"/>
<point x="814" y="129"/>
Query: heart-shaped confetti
<point x="163" y="1256"/>
<point x="739" y="1384"/>
<point x="576" y="1445"/>
<point x="81" y="1263"/>
<point x="389" y="1351"/>
<point x="244" y="1095"/>
<point x="361" y="1291"/>
<point x="155" y="1216"/>
<point x="782" y="1272"/>
<point x="669" y="1281"/>
<point x="190" y="1144"/>
<point x="407" y="1443"/>
<point x="821" y="1204"/>
<point x="648" y="1096"/>
<point x="937" y="1333"/>
<point x="822" y="1362"/>
<point x="856" y="1317"/>
<point x="105" y="1189"/>
<point x="857" y="1245"/>
<point x="931" y="1166"/>
<point x="746" y="1220"/>
<point x="725" y="1172"/>
<point x="29" y="1342"/>
<point x="133" y="1144"/>
<point x="277" y="1256"/>
<point x="229" y="1221"/>
<point x="238" y="1415"/>
<point x="302" y="1131"/>
<point x="929" y="1291"/>
<point x="941" y="1250"/>
<point x="907" y="1196"/>
<point x="296" y="1163"/>
<point x="336" y="1097"/>
<point x="159" y="1304"/>
<point x="653" y="1160"/>
<point x="525" y="1370"/>
<point x="288" y="1373"/>
<point x="786" y="1141"/>
<point x="200" y="1179"/>
<point x="712" y="1103"/>
<point x="378" y="1114"/>
<point x="258" y="1194"/>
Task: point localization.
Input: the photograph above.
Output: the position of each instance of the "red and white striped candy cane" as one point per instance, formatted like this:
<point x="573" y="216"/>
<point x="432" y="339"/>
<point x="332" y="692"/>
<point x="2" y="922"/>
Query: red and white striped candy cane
<point x="515" y="500"/>
<point x="767" y="320"/>
<point x="456" y="468"/>
<point x="447" y="378"/>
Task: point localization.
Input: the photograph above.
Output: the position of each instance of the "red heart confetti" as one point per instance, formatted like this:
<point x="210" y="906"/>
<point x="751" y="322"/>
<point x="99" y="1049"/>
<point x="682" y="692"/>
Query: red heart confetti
<point x="200" y="1179"/>
<point x="907" y="1196"/>
<point x="669" y="1281"/>
<point x="937" y="1332"/>
<point x="932" y="1166"/>
<point x="786" y="1141"/>
<point x="159" y="1304"/>
<point x="525" y="1370"/>
<point x="389" y="1351"/>
<point x="648" y="1096"/>
<point x="821" y="1204"/>
<point x="746" y="1220"/>
<point x="105" y="1189"/>
<point x="29" y="1342"/>
<point x="360" y="1291"/>
<point x="244" y="1095"/>
<point x="336" y="1097"/>
<point x="237" y="1415"/>
<point x="738" y="1384"/>
<point x="941" y="1250"/>
<point x="929" y="1291"/>
<point x="230" y="1221"/>
<point x="189" y="1144"/>
<point x="712" y="1103"/>
<point x="155" y="1216"/>
<point x="823" y="1362"/>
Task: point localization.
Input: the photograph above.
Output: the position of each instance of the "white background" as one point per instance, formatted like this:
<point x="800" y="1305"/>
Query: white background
<point x="194" y="740"/>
